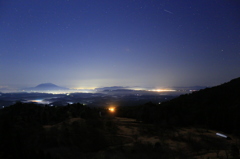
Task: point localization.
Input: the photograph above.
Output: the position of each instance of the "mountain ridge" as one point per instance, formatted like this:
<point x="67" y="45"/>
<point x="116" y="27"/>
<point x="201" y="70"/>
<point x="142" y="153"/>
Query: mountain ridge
<point x="217" y="107"/>
<point x="46" y="87"/>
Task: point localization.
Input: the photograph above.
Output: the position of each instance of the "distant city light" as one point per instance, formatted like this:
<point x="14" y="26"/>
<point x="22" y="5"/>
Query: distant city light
<point x="162" y="90"/>
<point x="39" y="101"/>
<point x="137" y="88"/>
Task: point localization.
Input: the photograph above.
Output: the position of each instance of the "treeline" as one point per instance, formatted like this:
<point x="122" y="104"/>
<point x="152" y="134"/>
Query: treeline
<point x="34" y="131"/>
<point x="214" y="108"/>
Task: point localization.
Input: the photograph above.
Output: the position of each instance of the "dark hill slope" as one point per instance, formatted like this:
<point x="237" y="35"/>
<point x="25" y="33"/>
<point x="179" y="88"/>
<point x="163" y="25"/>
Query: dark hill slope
<point x="216" y="108"/>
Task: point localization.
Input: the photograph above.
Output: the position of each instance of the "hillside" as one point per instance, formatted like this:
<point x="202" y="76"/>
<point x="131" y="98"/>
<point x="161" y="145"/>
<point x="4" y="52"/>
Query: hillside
<point x="215" y="108"/>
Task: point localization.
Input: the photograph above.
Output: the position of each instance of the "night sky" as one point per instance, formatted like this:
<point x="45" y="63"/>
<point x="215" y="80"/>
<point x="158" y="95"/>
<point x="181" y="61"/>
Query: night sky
<point x="97" y="43"/>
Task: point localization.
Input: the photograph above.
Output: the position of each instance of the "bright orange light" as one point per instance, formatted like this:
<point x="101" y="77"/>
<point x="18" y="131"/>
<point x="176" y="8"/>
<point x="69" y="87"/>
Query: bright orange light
<point x="111" y="109"/>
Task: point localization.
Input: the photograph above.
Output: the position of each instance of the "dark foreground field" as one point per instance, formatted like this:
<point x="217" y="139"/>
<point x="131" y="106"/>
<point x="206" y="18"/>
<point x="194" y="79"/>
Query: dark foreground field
<point x="151" y="141"/>
<point x="77" y="131"/>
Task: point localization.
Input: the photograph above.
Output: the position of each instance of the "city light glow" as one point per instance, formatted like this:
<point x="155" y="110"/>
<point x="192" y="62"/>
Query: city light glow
<point x="39" y="101"/>
<point x="162" y="90"/>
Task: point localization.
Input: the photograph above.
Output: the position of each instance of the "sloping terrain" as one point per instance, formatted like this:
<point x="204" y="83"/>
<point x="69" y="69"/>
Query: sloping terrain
<point x="188" y="142"/>
<point x="214" y="108"/>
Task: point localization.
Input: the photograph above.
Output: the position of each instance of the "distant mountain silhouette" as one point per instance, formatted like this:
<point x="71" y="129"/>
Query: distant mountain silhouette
<point x="46" y="87"/>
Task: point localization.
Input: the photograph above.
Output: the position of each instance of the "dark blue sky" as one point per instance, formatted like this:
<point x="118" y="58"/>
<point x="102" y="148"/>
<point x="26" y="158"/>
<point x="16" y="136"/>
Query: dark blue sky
<point x="93" y="43"/>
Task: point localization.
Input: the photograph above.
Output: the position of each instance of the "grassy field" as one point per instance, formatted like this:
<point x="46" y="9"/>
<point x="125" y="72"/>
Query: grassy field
<point x="139" y="138"/>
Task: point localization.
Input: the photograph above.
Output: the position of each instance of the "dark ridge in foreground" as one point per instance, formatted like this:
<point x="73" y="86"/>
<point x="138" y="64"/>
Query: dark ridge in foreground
<point x="216" y="108"/>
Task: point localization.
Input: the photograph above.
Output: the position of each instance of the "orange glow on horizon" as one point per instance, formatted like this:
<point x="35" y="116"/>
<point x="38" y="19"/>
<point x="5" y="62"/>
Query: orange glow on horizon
<point x="162" y="90"/>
